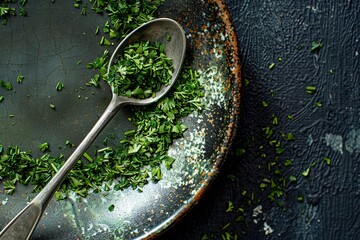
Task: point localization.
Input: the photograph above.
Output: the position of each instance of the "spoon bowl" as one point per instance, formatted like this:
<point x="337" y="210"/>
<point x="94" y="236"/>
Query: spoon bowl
<point x="163" y="30"/>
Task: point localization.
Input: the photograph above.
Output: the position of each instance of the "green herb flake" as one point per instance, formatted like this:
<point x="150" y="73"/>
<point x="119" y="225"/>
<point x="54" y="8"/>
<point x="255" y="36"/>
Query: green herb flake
<point x="316" y="46"/>
<point x="292" y="179"/>
<point x="111" y="207"/>
<point x="247" y="82"/>
<point x="306" y="172"/>
<point x="168" y="37"/>
<point x="83" y="9"/>
<point x="327" y="160"/>
<point x="275" y="120"/>
<point x="6" y="85"/>
<point x="43" y="147"/>
<point x="205" y="237"/>
<point x="69" y="144"/>
<point x="290" y="137"/>
<point x="59" y="86"/>
<point x="300" y="199"/>
<point x="331" y="71"/>
<point x="226" y="226"/>
<point x="318" y="104"/>
<point x="288" y="162"/>
<point x="22" y="12"/>
<point x="310" y="89"/>
<point x="271" y="66"/>
<point x="230" y="207"/>
<point x="52" y="106"/>
<point x="105" y="41"/>
<point x="78" y="62"/>
<point x="1" y="98"/>
<point x="20" y="78"/>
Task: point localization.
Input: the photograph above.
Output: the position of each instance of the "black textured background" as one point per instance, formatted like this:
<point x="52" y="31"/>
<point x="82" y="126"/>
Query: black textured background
<point x="268" y="30"/>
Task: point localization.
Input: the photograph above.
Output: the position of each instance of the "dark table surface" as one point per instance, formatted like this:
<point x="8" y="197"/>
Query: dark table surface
<point x="305" y="185"/>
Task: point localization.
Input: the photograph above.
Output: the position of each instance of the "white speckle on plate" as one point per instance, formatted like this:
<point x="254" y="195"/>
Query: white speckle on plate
<point x="257" y="211"/>
<point x="4" y="202"/>
<point x="352" y="142"/>
<point x="310" y="140"/>
<point x="211" y="80"/>
<point x="335" y="142"/>
<point x="268" y="230"/>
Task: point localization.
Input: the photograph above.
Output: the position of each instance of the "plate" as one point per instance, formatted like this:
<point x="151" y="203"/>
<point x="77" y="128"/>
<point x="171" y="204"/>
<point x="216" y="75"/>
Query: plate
<point x="45" y="47"/>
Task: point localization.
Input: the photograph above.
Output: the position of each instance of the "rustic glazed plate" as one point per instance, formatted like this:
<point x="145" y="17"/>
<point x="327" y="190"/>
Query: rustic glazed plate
<point x="45" y="47"/>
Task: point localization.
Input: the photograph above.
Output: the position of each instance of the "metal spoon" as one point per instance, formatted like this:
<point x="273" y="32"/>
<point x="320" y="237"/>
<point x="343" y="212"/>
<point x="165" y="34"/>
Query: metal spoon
<point x="23" y="225"/>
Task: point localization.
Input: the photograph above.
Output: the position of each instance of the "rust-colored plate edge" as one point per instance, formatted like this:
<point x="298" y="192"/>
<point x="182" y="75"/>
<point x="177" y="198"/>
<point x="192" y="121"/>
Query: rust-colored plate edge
<point x="236" y="75"/>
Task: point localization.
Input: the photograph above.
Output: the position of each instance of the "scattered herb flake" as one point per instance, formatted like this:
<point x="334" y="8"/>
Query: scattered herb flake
<point x="316" y="46"/>
<point x="288" y="162"/>
<point x="327" y="160"/>
<point x="69" y="144"/>
<point x="59" y="86"/>
<point x="306" y="172"/>
<point x="43" y="147"/>
<point x="318" y="104"/>
<point x="310" y="89"/>
<point x="20" y="78"/>
<point x="111" y="207"/>
<point x="105" y="41"/>
<point x="22" y="12"/>
<point x="6" y="85"/>
<point x="230" y="207"/>
<point x="168" y="37"/>
<point x="265" y="103"/>
<point x="292" y="178"/>
<point x="271" y="66"/>
<point x="247" y="82"/>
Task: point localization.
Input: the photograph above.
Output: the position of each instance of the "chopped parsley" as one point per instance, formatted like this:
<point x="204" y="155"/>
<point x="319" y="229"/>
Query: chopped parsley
<point x="59" y="86"/>
<point x="20" y="78"/>
<point x="6" y="85"/>
<point x="316" y="46"/>
<point x="137" y="158"/>
<point x="133" y="163"/>
<point x="140" y="71"/>
<point x="43" y="147"/>
<point x="310" y="89"/>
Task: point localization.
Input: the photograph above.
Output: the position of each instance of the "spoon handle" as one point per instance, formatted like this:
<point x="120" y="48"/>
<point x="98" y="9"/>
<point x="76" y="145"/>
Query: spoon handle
<point x="22" y="226"/>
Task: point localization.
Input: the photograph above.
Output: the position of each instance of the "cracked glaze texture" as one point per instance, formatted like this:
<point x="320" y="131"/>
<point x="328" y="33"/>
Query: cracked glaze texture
<point x="266" y="31"/>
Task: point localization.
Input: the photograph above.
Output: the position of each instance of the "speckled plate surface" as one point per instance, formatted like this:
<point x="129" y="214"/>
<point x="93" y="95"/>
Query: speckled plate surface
<point x="45" y="47"/>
